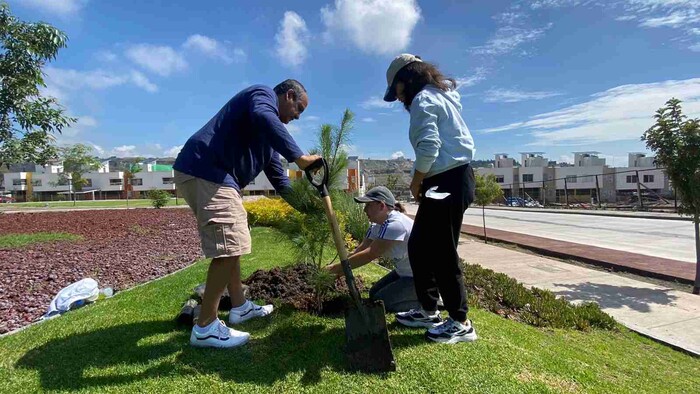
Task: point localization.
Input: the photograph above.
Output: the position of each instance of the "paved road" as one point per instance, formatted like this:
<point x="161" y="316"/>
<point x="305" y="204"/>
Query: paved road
<point x="671" y="239"/>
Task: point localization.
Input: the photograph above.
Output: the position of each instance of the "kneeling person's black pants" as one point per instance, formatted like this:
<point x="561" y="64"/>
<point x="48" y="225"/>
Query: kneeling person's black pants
<point x="432" y="248"/>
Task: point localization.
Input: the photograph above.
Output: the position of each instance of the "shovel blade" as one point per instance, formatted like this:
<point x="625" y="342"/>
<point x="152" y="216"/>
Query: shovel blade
<point x="368" y="347"/>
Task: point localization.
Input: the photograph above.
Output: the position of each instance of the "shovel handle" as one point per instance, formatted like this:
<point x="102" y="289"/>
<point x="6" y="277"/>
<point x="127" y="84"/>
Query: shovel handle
<point x="342" y="252"/>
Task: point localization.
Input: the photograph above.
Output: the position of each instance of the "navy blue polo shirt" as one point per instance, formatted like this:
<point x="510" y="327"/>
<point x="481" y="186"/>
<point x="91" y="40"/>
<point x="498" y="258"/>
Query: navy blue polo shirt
<point x="244" y="138"/>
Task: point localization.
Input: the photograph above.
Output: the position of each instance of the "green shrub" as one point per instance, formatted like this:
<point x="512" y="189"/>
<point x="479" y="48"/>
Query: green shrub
<point x="159" y="198"/>
<point x="503" y="295"/>
<point x="271" y="212"/>
<point x="356" y="222"/>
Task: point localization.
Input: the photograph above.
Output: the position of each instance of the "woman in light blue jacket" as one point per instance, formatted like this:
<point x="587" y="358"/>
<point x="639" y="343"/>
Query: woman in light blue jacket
<point x="443" y="184"/>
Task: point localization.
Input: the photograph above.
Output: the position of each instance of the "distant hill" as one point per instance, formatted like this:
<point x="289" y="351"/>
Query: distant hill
<point x="482" y="163"/>
<point x="393" y="173"/>
<point x="123" y="163"/>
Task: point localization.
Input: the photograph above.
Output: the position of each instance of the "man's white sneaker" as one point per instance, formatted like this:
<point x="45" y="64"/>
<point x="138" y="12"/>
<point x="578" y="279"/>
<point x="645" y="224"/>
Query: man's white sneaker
<point x="452" y="331"/>
<point x="419" y="318"/>
<point x="248" y="311"/>
<point x="217" y="334"/>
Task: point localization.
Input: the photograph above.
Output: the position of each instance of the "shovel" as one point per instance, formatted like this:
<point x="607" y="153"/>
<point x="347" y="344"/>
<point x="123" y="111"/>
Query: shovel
<point x="368" y="347"/>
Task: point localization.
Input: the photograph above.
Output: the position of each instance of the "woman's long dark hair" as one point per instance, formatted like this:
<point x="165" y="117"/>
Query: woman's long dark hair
<point x="418" y="74"/>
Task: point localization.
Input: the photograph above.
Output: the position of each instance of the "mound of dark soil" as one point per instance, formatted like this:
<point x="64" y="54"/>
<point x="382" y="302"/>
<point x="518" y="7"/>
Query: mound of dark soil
<point x="294" y="286"/>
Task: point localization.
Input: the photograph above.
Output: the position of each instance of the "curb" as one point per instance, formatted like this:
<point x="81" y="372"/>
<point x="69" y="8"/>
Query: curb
<point x="620" y="214"/>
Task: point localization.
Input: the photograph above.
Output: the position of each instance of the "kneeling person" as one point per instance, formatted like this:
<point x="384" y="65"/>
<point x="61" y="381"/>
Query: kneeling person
<point x="387" y="237"/>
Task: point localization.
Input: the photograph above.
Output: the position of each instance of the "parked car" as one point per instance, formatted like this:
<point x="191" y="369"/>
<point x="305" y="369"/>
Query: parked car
<point x="6" y="199"/>
<point x="521" y="202"/>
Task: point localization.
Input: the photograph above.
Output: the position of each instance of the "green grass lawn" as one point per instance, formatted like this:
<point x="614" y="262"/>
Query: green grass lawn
<point x="130" y="343"/>
<point x="138" y="203"/>
<point x="20" y="240"/>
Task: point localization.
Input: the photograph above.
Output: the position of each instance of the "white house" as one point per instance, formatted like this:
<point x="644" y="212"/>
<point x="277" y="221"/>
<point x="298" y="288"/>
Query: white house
<point x="44" y="183"/>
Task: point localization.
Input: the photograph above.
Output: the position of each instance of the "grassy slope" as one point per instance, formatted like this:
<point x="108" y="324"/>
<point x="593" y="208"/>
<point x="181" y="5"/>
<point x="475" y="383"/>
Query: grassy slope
<point x="129" y="343"/>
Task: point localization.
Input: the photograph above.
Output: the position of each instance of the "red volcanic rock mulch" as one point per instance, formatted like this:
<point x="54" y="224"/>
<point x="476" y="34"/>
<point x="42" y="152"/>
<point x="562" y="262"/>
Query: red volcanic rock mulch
<point x="120" y="249"/>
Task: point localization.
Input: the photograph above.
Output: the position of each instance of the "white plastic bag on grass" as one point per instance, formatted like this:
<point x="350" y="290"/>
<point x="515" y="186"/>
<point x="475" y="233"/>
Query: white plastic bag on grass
<point x="76" y="294"/>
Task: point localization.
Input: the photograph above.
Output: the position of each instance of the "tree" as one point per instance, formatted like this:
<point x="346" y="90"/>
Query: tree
<point x="159" y="198"/>
<point x="675" y="140"/>
<point x="132" y="169"/>
<point x="332" y="142"/>
<point x="311" y="232"/>
<point x="392" y="181"/>
<point x="77" y="160"/>
<point x="28" y="121"/>
<point x="487" y="191"/>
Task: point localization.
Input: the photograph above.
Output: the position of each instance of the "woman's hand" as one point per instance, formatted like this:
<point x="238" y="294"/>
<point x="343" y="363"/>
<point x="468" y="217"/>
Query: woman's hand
<point x="335" y="269"/>
<point x="416" y="183"/>
<point x="415" y="191"/>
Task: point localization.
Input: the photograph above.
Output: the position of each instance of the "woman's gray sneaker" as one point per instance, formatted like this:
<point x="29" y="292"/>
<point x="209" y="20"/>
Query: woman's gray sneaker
<point x="419" y="318"/>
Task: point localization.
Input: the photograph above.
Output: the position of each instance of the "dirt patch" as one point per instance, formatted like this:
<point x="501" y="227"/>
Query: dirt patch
<point x="120" y="249"/>
<point x="294" y="286"/>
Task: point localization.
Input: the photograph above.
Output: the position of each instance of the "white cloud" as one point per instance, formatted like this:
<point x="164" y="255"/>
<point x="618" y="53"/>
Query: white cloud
<point x="106" y="56"/>
<point x="513" y="96"/>
<point x="99" y="151"/>
<point x="374" y="26"/>
<point x="86" y="121"/>
<point x="566" y="159"/>
<point x="293" y="129"/>
<point x="368" y="120"/>
<point x="59" y="7"/>
<point x="69" y="135"/>
<point x="162" y="60"/>
<point x="471" y="80"/>
<point x="60" y="80"/>
<point x="140" y="80"/>
<point x="173" y="152"/>
<point x="695" y="47"/>
<point x="509" y="38"/>
<point x="124" y="151"/>
<point x="213" y="48"/>
<point x="292" y="38"/>
<point x="376" y="102"/>
<point x="617" y="114"/>
<point x="683" y="15"/>
<point x="312" y="118"/>
<point x="536" y="4"/>
<point x="397" y="155"/>
<point x="674" y="20"/>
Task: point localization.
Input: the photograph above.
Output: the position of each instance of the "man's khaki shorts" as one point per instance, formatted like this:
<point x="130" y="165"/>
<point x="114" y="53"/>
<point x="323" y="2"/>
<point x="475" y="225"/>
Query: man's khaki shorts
<point x="221" y="219"/>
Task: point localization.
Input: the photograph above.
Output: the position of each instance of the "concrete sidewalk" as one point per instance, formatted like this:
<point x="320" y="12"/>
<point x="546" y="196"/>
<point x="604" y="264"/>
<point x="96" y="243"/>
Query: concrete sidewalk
<point x="667" y="315"/>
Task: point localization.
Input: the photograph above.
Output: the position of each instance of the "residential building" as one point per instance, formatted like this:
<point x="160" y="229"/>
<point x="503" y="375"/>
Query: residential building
<point x="505" y="172"/>
<point x="642" y="169"/>
<point x="47" y="183"/>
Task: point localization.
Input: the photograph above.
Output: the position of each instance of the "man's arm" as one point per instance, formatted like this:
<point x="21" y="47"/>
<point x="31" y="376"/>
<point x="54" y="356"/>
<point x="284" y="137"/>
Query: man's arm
<point x="375" y="249"/>
<point x="363" y="245"/>
<point x="275" y="174"/>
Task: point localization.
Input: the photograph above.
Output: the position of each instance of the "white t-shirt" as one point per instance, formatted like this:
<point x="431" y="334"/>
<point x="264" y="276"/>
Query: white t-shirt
<point x="397" y="227"/>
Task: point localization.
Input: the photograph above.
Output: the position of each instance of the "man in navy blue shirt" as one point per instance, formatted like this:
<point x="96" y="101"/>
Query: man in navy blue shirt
<point x="247" y="136"/>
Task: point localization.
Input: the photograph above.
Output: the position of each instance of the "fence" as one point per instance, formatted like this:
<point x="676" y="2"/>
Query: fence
<point x="628" y="189"/>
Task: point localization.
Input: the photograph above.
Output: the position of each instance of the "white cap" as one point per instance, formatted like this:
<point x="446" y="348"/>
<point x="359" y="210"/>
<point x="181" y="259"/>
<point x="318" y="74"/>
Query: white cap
<point x="397" y="64"/>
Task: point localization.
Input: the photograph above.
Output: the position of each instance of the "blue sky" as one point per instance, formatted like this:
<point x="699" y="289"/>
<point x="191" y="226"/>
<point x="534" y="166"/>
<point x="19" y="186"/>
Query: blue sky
<point x="554" y="76"/>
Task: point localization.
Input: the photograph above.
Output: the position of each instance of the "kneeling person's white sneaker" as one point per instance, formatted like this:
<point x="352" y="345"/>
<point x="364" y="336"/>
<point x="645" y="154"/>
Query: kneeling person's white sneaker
<point x="452" y="331"/>
<point x="248" y="311"/>
<point x="217" y="334"/>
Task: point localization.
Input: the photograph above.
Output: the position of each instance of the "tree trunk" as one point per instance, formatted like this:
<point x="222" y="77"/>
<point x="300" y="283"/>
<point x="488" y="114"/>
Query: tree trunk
<point x="696" y="287"/>
<point x="483" y="215"/>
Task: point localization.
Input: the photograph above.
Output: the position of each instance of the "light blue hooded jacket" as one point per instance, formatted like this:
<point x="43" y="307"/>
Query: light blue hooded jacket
<point x="440" y="138"/>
